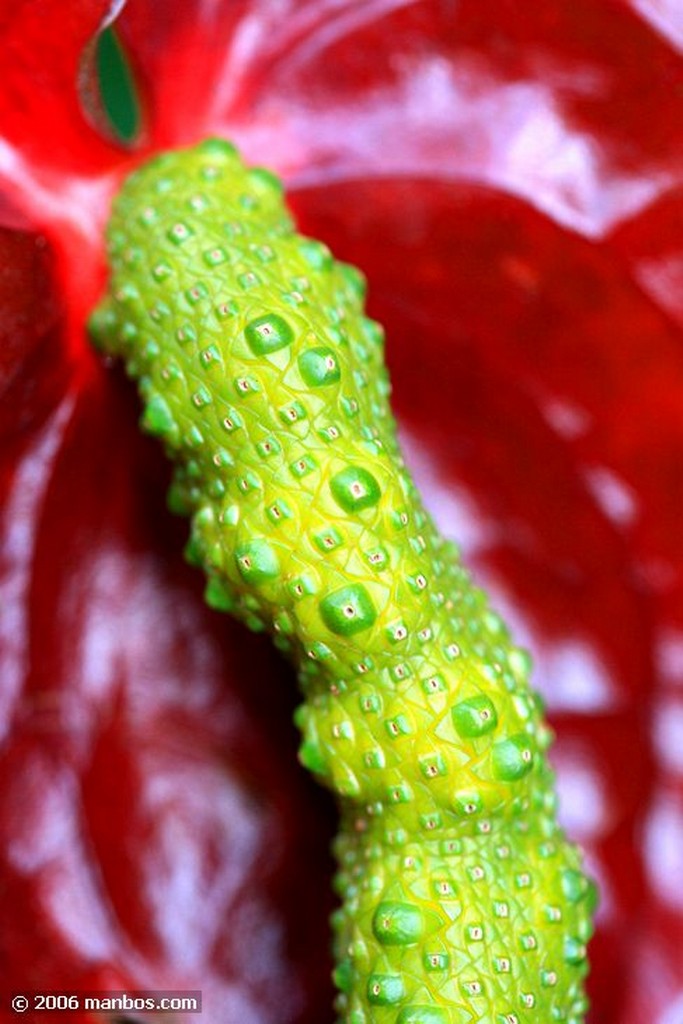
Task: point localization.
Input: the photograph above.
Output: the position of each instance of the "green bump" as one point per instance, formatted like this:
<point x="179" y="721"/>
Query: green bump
<point x="303" y="466"/>
<point x="265" y="179"/>
<point x="217" y="596"/>
<point x="397" y="726"/>
<point x="574" y="885"/>
<point x="246" y="385"/>
<point x="350" y="406"/>
<point x="194" y="437"/>
<point x="574" y="950"/>
<point x="343" y="976"/>
<point x="214" y="257"/>
<point x="256" y="561"/>
<point x="249" y="482"/>
<point x="270" y="447"/>
<point x="210" y="356"/>
<point x="370" y="703"/>
<point x="397" y="924"/>
<point x="233" y="420"/>
<point x="221" y="148"/>
<point x="468" y="802"/>
<point x="161" y="271"/>
<point x="279" y="511"/>
<point x="385" y="989"/>
<point x="319" y="651"/>
<point x="194" y="551"/>
<point x="431" y="821"/>
<point x="186" y="333"/>
<point x="202" y="396"/>
<point x="222" y="458"/>
<point x="377" y="558"/>
<point x="354" y="278"/>
<point x="372" y="331"/>
<point x="436" y="961"/>
<point x="374" y="758"/>
<point x="319" y="367"/>
<point x="312" y="757"/>
<point x="179" y="233"/>
<point x="248" y="281"/>
<point x="512" y="758"/>
<point x="292" y="413"/>
<point x="268" y="333"/>
<point x="433" y="765"/>
<point x="328" y="539"/>
<point x="225" y="310"/>
<point x="316" y="254"/>
<point x="348" y="610"/>
<point x="475" y="717"/>
<point x="301" y="586"/>
<point x="158" y="418"/>
<point x="355" y="488"/>
<point x="196" y="293"/>
<point x="263" y="253"/>
<point x="400" y="794"/>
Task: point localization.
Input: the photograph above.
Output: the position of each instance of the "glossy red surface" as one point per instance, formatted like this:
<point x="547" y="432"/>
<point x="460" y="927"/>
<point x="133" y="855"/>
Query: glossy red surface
<point x="510" y="178"/>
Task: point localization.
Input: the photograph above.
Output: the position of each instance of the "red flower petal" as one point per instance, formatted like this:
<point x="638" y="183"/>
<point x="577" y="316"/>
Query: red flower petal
<point x="41" y="110"/>
<point x="30" y="319"/>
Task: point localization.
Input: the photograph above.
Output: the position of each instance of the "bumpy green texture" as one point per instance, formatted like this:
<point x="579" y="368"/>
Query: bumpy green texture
<point x="461" y="900"/>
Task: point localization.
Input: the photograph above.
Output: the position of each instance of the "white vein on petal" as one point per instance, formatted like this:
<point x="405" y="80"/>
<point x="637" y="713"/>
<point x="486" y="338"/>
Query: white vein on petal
<point x="664" y="16"/>
<point x="79" y="202"/>
<point x="443" y="120"/>
<point x="21" y="514"/>
<point x="299" y="31"/>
